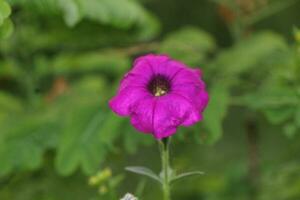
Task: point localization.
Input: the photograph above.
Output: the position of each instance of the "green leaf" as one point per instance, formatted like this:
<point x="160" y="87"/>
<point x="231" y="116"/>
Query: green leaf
<point x="119" y="13"/>
<point x="270" y="98"/>
<point x="6" y="29"/>
<point x="127" y="15"/>
<point x="190" y="45"/>
<point x="144" y="171"/>
<point x="276" y="101"/>
<point x="110" y="129"/>
<point x="5" y="11"/>
<point x="88" y="130"/>
<point x="109" y="62"/>
<point x="259" y="51"/>
<point x="79" y="143"/>
<point x="186" y="174"/>
<point x="122" y="14"/>
<point x="216" y="111"/>
<point x="71" y="12"/>
<point x="24" y="140"/>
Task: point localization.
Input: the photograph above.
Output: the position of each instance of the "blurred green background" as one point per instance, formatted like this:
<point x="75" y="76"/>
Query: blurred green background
<point x="61" y="61"/>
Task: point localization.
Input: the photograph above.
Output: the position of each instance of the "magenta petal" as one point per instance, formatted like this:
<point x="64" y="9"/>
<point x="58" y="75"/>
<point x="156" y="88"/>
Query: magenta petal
<point x="194" y="92"/>
<point x="170" y="68"/>
<point x="161" y="64"/>
<point x="126" y="99"/>
<point x="188" y="76"/>
<point x="142" y="115"/>
<point x="143" y="67"/>
<point x="172" y="111"/>
<point x="133" y="80"/>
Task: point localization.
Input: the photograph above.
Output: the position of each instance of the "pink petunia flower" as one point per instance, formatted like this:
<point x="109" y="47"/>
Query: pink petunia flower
<point x="159" y="94"/>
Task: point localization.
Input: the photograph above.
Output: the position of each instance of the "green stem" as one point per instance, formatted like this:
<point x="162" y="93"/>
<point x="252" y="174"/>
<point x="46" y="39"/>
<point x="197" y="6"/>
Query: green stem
<point x="164" y="143"/>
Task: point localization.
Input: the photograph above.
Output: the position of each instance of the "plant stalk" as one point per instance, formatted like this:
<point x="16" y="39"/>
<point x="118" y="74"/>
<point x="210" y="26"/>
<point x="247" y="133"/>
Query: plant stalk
<point x="165" y="158"/>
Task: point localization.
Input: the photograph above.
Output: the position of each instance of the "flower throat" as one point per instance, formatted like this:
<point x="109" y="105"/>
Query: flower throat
<point x="159" y="85"/>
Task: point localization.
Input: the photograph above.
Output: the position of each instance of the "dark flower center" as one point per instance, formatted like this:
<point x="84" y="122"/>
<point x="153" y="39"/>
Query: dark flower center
<point x="159" y="85"/>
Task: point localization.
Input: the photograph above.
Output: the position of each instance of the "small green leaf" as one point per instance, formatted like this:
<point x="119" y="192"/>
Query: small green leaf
<point x="144" y="171"/>
<point x="186" y="174"/>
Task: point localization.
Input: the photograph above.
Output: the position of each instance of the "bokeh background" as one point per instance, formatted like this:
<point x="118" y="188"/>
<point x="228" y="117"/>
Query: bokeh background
<point x="61" y="61"/>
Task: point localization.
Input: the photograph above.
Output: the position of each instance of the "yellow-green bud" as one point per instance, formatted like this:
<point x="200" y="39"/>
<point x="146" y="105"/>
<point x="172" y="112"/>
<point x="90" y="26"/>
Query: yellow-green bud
<point x="100" y="177"/>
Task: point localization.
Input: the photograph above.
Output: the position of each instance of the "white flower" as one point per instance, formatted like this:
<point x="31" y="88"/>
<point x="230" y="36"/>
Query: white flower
<point x="129" y="197"/>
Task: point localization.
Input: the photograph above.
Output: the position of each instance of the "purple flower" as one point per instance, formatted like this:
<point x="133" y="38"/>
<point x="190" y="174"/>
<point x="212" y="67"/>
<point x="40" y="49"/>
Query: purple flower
<point x="159" y="94"/>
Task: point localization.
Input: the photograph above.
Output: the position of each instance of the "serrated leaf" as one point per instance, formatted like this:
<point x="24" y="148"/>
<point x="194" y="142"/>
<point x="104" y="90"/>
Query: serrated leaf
<point x="261" y="48"/>
<point x="126" y="15"/>
<point x="81" y="143"/>
<point x="118" y="13"/>
<point x="216" y="111"/>
<point x="186" y="174"/>
<point x="24" y="140"/>
<point x="144" y="171"/>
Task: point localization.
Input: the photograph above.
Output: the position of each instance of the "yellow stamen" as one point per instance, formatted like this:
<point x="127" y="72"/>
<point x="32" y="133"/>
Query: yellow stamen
<point x="159" y="92"/>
